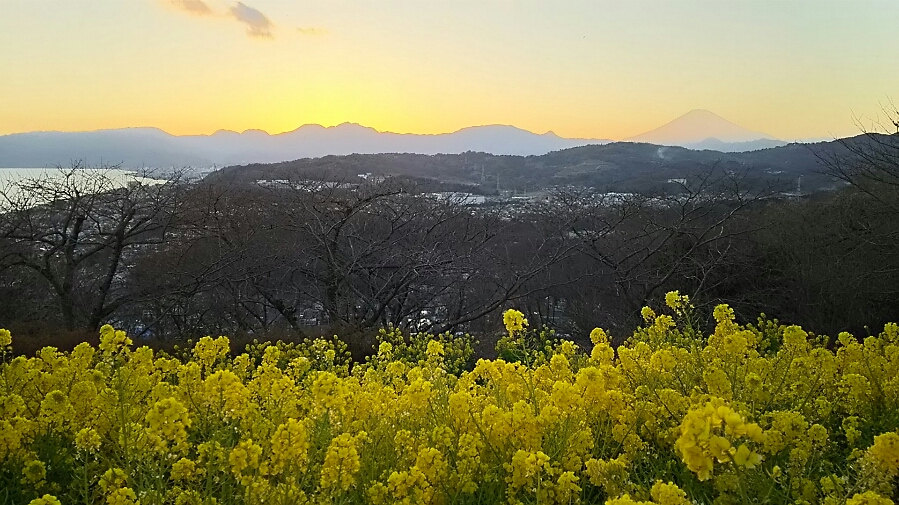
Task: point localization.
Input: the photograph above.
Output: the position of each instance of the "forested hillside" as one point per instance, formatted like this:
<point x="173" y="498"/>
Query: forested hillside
<point x="619" y="167"/>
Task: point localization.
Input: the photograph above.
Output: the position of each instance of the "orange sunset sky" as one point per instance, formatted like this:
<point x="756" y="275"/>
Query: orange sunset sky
<point x="590" y="69"/>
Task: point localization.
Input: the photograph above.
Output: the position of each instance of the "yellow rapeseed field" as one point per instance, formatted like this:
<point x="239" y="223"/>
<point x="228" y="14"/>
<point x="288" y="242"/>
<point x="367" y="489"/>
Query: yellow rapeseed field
<point x="758" y="413"/>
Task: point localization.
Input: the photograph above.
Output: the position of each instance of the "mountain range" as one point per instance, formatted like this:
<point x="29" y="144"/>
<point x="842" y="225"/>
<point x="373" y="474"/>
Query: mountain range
<point x="152" y="147"/>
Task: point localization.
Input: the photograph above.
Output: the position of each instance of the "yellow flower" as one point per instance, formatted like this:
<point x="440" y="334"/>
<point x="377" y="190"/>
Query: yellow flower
<point x="625" y="500"/>
<point x="817" y="434"/>
<point x="47" y="499"/>
<point x="208" y="350"/>
<point x="5" y="340"/>
<point x="719" y="446"/>
<point x="377" y="493"/>
<point x="341" y="462"/>
<point x="514" y="321"/>
<point x="510" y="431"/>
<point x="329" y="391"/>
<point x="599" y="336"/>
<point x="885" y="452"/>
<point x="566" y="486"/>
<point x="183" y="469"/>
<point x="112" y="340"/>
<point x="868" y="498"/>
<point x="723" y="314"/>
<point x="168" y="422"/>
<point x="224" y="390"/>
<point x="87" y="439"/>
<point x="747" y="458"/>
<point x="795" y="337"/>
<point x="34" y="472"/>
<point x="56" y="410"/>
<point x="435" y="349"/>
<point x="289" y="445"/>
<point x="525" y="467"/>
<point x="431" y="463"/>
<point x="402" y="484"/>
<point x="701" y="442"/>
<point x="672" y="298"/>
<point x="192" y="497"/>
<point x="663" y="360"/>
<point x="245" y="455"/>
<point x="668" y="494"/>
<point x="850" y="428"/>
<point x="112" y="479"/>
<point x="122" y="496"/>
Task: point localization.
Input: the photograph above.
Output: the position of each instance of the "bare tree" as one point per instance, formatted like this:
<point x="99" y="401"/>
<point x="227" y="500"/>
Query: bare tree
<point x="641" y="245"/>
<point x="869" y="162"/>
<point x="351" y="256"/>
<point x="79" y="230"/>
<point x="382" y="254"/>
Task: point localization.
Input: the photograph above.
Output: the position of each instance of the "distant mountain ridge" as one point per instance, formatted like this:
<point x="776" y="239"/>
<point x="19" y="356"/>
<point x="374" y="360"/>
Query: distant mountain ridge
<point x="152" y="147"/>
<point x="139" y="147"/>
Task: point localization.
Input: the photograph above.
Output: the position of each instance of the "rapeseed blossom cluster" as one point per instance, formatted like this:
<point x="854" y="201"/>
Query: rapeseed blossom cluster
<point x="743" y="413"/>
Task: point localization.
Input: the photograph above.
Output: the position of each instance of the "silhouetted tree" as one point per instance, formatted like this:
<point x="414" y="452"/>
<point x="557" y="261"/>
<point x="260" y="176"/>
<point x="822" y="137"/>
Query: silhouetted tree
<point x="78" y="230"/>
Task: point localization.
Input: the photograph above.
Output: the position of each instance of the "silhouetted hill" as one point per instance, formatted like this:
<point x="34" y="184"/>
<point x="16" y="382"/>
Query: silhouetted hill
<point x="714" y="144"/>
<point x="618" y="166"/>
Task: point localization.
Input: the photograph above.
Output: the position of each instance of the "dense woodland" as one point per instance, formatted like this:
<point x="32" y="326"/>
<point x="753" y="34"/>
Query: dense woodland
<point x="318" y="254"/>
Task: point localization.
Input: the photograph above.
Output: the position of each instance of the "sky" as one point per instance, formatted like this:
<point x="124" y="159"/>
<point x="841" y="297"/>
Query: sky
<point x="587" y="69"/>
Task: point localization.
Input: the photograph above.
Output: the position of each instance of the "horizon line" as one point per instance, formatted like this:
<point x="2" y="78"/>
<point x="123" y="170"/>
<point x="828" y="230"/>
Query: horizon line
<point x="350" y="123"/>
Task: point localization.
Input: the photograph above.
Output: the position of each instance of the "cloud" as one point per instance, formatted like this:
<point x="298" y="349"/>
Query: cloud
<point x="195" y="7"/>
<point x="256" y="23"/>
<point x="312" y="31"/>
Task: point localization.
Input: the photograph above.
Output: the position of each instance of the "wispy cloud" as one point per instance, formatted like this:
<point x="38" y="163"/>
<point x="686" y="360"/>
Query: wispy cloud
<point x="257" y="24"/>
<point x="311" y="31"/>
<point x="195" y="7"/>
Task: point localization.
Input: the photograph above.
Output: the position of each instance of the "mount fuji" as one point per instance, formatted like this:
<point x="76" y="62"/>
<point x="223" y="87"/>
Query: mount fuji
<point x="702" y="129"/>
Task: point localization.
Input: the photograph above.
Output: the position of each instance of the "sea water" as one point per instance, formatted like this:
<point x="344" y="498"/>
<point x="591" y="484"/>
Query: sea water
<point x="15" y="182"/>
